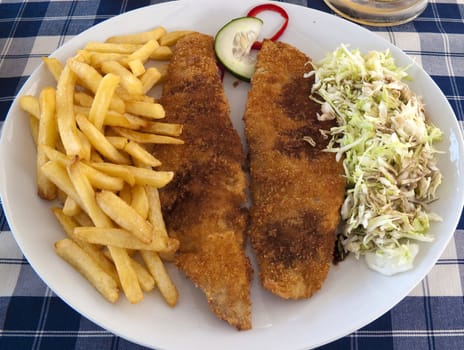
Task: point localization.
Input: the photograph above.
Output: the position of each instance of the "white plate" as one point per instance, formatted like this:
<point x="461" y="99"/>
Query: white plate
<point x="352" y="296"/>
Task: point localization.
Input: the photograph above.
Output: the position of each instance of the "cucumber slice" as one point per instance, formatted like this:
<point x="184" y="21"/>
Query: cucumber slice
<point x="232" y="45"/>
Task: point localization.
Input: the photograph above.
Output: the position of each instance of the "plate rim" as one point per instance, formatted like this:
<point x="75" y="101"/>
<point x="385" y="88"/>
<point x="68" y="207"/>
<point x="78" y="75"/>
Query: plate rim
<point x="75" y="39"/>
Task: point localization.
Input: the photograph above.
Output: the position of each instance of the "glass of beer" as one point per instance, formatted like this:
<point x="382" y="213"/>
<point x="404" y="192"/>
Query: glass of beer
<point x="378" y="12"/>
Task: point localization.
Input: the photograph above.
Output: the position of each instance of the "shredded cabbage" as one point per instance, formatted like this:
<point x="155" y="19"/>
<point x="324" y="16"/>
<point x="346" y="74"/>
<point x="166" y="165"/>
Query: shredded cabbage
<point x="387" y="147"/>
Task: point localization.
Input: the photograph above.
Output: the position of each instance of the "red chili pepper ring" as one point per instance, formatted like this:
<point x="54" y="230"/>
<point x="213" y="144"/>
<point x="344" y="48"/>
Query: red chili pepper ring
<point x="274" y="8"/>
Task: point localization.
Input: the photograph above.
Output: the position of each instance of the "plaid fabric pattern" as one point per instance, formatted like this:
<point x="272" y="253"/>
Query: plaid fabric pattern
<point x="32" y="317"/>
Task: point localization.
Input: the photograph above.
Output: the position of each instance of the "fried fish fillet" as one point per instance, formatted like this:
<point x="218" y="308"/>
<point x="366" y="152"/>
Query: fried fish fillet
<point x="204" y="204"/>
<point x="297" y="188"/>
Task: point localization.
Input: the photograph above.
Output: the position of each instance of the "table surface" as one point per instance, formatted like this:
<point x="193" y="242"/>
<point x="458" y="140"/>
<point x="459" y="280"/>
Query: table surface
<point x="33" y="317"/>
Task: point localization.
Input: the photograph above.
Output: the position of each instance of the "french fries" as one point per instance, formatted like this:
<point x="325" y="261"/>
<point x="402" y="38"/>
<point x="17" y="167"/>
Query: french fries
<point x="47" y="135"/>
<point x="100" y="142"/>
<point x="138" y="38"/>
<point x="65" y="113"/>
<point x="141" y="137"/>
<point x="88" y="267"/>
<point x="90" y="131"/>
<point x="128" y="80"/>
<point x="144" y="52"/>
<point x="146" y="109"/>
<point x="54" y="66"/>
<point x="102" y="100"/>
<point x="161" y="128"/>
<point x="171" y="38"/>
<point x="124" y="215"/>
<point x="141" y="154"/>
<point x="30" y="104"/>
<point x="119" y="237"/>
<point x="69" y="224"/>
<point x="127" y="275"/>
<point x="164" y="283"/>
<point x="86" y="194"/>
<point x="112" y="48"/>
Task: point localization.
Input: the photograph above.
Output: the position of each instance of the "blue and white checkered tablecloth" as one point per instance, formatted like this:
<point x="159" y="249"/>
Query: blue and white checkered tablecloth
<point x="32" y="317"/>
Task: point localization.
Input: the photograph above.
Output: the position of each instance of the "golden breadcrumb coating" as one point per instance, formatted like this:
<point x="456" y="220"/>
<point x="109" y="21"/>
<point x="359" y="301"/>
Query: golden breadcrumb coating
<point x="204" y="204"/>
<point x="297" y="189"/>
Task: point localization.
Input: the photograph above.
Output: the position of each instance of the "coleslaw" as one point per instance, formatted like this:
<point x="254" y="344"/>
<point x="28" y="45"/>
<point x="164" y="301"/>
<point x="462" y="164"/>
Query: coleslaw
<point x="386" y="144"/>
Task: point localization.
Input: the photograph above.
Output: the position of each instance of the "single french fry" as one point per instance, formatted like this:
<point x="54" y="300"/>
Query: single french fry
<point x="48" y="135"/>
<point x="65" y="113"/>
<point x="127" y="276"/>
<point x="146" y="281"/>
<point x="119" y="237"/>
<point x="142" y="137"/>
<point x="141" y="154"/>
<point x="102" y="100"/>
<point x="30" y="104"/>
<point x="97" y="58"/>
<point x="89" y="268"/>
<point x="149" y="78"/>
<point x="162" y="53"/>
<point x="171" y="38"/>
<point x="88" y="76"/>
<point x="124" y="215"/>
<point x="136" y="122"/>
<point x="168" y="129"/>
<point x="87" y="195"/>
<point x="56" y="172"/>
<point x="34" y="128"/>
<point x="163" y="281"/>
<point x="155" y="217"/>
<point x="99" y="141"/>
<point x="102" y="181"/>
<point x="138" y="38"/>
<point x="145" y="109"/>
<point x="54" y="66"/>
<point x="128" y="80"/>
<point x="137" y="68"/>
<point x="148" y="177"/>
<point x="140" y="201"/>
<point x="112" y="47"/>
<point x="115" y="170"/>
<point x="125" y="120"/>
<point x="144" y="52"/>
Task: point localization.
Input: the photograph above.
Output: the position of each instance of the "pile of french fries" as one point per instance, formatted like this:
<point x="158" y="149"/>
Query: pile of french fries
<point x="92" y="131"/>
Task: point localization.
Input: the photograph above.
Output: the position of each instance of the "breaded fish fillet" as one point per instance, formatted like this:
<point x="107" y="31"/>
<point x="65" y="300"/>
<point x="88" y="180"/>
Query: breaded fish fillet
<point x="204" y="204"/>
<point x="297" y="189"/>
